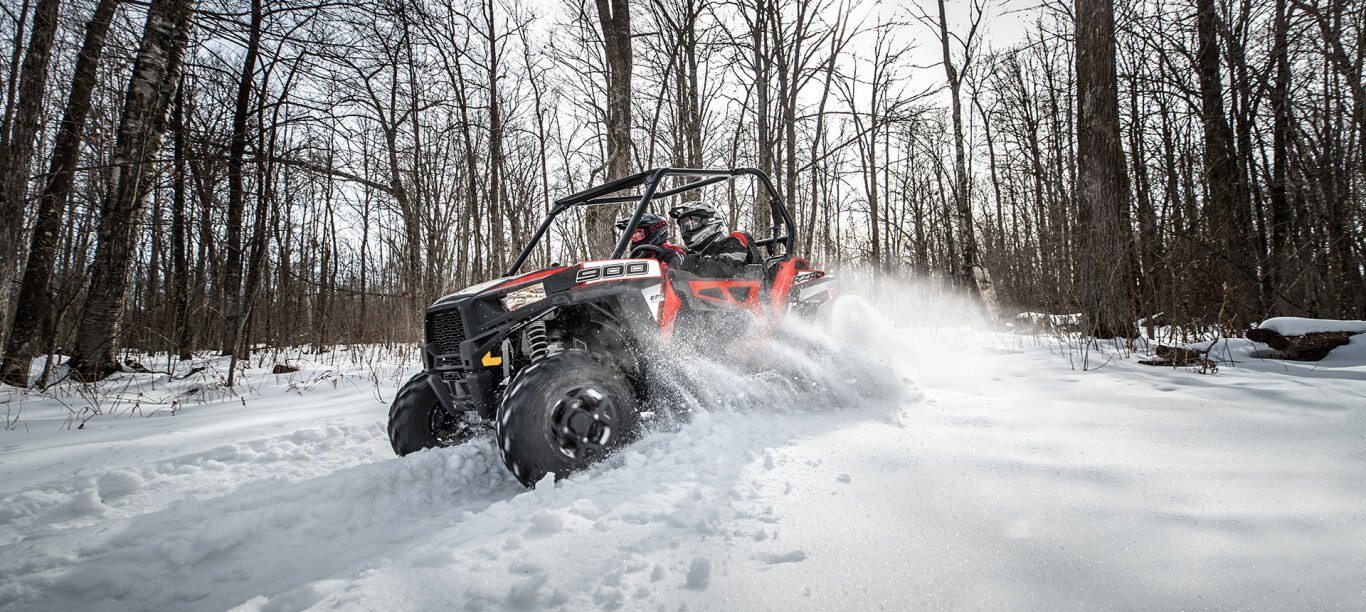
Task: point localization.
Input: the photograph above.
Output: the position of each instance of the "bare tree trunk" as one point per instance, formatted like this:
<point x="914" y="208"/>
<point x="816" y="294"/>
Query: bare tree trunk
<point x="16" y="149"/>
<point x="818" y="139"/>
<point x="237" y="150"/>
<point x="497" y="198"/>
<point x="759" y="40"/>
<point x="471" y="171"/>
<point x="12" y="82"/>
<point x="327" y="271"/>
<point x="205" y="251"/>
<point x="615" y="18"/>
<point x="972" y="273"/>
<point x="180" y="265"/>
<point x="32" y="329"/>
<point x="1149" y="250"/>
<point x="256" y="264"/>
<point x="1280" y="159"/>
<point x="993" y="173"/>
<point x="1344" y="289"/>
<point x="692" y="96"/>
<point x="150" y="87"/>
<point x="1107" y="294"/>
<point x="868" y="151"/>
<point x="539" y="111"/>
<point x="1227" y="211"/>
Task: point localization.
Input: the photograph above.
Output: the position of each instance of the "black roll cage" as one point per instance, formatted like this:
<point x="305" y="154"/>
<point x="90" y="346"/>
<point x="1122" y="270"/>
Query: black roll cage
<point x="651" y="179"/>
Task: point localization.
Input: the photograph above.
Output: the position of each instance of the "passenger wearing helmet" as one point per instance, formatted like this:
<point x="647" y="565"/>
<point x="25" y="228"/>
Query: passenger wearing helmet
<point x="712" y="250"/>
<point x="653" y="230"/>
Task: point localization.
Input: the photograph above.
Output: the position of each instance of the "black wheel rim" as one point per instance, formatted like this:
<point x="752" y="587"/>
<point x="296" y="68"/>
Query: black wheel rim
<point x="581" y="422"/>
<point x="446" y="430"/>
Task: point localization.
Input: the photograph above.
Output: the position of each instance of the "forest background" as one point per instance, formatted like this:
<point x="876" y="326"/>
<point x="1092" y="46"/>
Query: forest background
<point x="179" y="176"/>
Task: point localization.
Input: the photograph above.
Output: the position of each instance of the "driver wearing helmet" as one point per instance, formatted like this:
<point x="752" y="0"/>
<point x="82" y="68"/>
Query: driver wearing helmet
<point x="712" y="251"/>
<point x="653" y="230"/>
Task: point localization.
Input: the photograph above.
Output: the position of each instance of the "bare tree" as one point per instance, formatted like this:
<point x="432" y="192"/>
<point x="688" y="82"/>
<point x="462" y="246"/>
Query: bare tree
<point x="972" y="272"/>
<point x="33" y="315"/>
<point x="615" y="19"/>
<point x="237" y="151"/>
<point x="16" y="148"/>
<point x="1229" y="212"/>
<point x="1106" y="280"/>
<point x="156" y="71"/>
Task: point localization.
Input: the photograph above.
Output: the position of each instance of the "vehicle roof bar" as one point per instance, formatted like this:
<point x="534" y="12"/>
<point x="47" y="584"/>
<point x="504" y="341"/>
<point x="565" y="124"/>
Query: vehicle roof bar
<point x="535" y="240"/>
<point x="612" y="187"/>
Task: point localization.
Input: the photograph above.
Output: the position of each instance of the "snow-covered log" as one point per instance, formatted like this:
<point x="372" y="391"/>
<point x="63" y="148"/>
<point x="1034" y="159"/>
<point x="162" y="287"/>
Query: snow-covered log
<point x="1305" y="339"/>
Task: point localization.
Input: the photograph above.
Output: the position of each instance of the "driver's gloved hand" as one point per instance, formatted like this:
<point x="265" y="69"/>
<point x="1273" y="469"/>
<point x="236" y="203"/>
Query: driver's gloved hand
<point x="672" y="258"/>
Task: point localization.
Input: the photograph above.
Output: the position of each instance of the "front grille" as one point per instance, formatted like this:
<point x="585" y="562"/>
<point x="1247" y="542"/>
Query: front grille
<point x="445" y="331"/>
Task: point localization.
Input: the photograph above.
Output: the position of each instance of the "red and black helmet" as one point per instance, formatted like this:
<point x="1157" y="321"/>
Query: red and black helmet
<point x="652" y="229"/>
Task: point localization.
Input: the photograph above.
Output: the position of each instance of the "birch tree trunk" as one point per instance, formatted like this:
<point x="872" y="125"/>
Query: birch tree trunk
<point x="33" y="305"/>
<point x="972" y="272"/>
<point x="16" y="150"/>
<point x="151" y="85"/>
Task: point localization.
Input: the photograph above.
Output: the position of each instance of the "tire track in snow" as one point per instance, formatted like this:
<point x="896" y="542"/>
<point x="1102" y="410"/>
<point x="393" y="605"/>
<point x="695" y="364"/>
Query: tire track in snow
<point x="115" y="493"/>
<point x="264" y="537"/>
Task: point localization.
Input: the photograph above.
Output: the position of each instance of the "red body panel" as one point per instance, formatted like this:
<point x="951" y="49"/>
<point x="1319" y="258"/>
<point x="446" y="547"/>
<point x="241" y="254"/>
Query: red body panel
<point x="526" y="278"/>
<point x="743" y="293"/>
<point x="668" y="313"/>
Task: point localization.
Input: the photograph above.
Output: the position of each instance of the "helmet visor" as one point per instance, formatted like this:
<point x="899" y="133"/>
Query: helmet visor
<point x="690" y="223"/>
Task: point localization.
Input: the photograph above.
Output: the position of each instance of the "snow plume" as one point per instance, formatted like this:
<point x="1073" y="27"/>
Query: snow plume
<point x="844" y="357"/>
<point x="854" y="353"/>
<point x="911" y="301"/>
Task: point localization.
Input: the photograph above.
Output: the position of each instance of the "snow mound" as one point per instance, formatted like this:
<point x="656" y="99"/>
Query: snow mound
<point x="1350" y="355"/>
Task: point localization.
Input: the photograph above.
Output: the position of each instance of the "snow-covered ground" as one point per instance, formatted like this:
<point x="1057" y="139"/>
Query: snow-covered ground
<point x="916" y="466"/>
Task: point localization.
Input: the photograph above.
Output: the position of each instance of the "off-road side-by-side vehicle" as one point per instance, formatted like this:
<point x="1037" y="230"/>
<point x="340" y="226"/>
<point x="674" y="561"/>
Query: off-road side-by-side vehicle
<point x="560" y="361"/>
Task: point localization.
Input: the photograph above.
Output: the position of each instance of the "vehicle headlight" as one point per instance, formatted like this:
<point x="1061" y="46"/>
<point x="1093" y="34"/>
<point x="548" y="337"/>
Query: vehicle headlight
<point x="524" y="296"/>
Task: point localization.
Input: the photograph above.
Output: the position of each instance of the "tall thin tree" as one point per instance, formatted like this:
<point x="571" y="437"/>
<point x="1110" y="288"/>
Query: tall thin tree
<point x="615" y="19"/>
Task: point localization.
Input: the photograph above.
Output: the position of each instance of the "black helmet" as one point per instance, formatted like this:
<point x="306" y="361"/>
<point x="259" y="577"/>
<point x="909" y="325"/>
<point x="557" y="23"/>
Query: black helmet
<point x="699" y="224"/>
<point x="652" y="229"/>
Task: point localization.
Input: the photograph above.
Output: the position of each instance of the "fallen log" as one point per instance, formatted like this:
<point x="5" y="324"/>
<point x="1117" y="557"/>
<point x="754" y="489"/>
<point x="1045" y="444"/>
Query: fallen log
<point x="1176" y="357"/>
<point x="132" y="366"/>
<point x="1307" y="347"/>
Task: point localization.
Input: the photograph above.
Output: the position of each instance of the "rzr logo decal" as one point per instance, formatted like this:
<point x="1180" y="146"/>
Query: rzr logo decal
<point x="806" y="277"/>
<point x="614" y="271"/>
